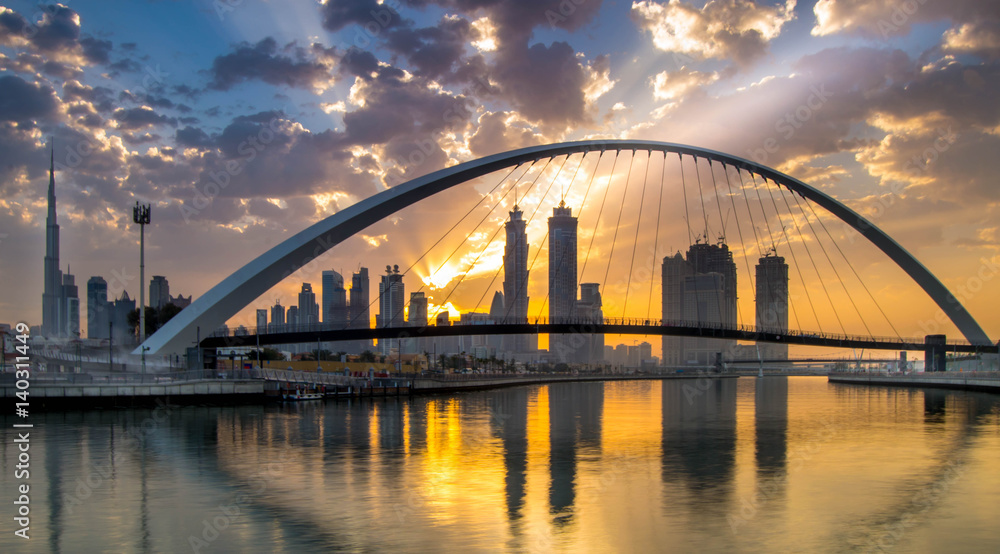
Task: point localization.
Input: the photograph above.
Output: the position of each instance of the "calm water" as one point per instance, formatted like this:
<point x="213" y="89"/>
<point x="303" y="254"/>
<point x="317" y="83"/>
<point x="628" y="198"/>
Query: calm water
<point x="775" y="464"/>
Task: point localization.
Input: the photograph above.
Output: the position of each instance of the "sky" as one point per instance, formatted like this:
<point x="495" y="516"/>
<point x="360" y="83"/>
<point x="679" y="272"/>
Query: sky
<point x="243" y="122"/>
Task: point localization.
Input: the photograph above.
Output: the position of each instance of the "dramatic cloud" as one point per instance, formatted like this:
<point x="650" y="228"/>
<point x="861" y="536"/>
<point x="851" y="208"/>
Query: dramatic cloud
<point x="981" y="38"/>
<point x="138" y="118"/>
<point x="886" y="19"/>
<point x="372" y="16"/>
<point x="738" y="30"/>
<point x="264" y="62"/>
<point x="57" y="35"/>
<point x="22" y="101"/>
<point x="674" y="85"/>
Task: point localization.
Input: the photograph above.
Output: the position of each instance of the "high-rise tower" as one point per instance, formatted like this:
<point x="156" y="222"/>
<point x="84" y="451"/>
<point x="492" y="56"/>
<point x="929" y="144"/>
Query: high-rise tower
<point x="334" y="300"/>
<point x="391" y="302"/>
<point x="515" y="280"/>
<point x="562" y="278"/>
<point x="772" y="301"/>
<point x="52" y="301"/>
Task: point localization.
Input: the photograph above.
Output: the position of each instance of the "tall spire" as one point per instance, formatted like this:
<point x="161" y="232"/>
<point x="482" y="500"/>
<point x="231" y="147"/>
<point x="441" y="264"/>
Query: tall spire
<point x="52" y="179"/>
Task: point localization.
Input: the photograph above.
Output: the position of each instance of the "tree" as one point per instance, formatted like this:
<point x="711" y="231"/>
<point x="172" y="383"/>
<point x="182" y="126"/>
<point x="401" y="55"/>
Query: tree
<point x="166" y="313"/>
<point x="367" y="356"/>
<point x="152" y="322"/>
<point x="266" y="354"/>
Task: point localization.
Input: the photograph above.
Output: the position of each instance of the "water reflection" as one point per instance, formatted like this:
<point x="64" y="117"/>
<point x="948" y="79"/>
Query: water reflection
<point x="568" y="467"/>
<point x="699" y="434"/>
<point x="575" y="411"/>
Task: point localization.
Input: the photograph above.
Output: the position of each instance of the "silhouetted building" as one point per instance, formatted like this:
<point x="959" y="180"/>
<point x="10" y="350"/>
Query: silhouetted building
<point x="53" y="302"/>
<point x="69" y="313"/>
<point x="391" y="300"/>
<point x="292" y="318"/>
<point x="772" y="302"/>
<point x="335" y="309"/>
<point x="98" y="308"/>
<point x="122" y="332"/>
<point x="308" y="308"/>
<point x="180" y="301"/>
<point x="159" y="292"/>
<point x="699" y="290"/>
<point x="416" y="317"/>
<point x="277" y="318"/>
<point x="261" y="320"/>
<point x="515" y="282"/>
<point x="358" y="312"/>
<point x="588" y="309"/>
<point x="562" y="279"/>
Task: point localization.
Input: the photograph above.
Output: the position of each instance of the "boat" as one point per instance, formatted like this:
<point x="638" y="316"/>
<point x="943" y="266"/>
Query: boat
<point x="297" y="395"/>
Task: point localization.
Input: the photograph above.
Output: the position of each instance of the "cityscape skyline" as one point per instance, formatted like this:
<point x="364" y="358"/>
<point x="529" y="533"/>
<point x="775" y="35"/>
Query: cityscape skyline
<point x="910" y="170"/>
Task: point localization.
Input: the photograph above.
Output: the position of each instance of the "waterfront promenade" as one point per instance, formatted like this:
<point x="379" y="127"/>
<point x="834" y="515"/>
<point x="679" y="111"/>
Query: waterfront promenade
<point x="986" y="381"/>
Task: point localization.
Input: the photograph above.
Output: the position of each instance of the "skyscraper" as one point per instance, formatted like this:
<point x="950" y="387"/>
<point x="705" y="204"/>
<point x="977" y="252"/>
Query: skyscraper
<point x="292" y="318"/>
<point x="262" y="320"/>
<point x="562" y="278"/>
<point x="416" y="317"/>
<point x="588" y="309"/>
<point x="159" y="292"/>
<point x="772" y="301"/>
<point x="335" y="309"/>
<point x="700" y="290"/>
<point x="358" y="313"/>
<point x="515" y="280"/>
<point x="69" y="312"/>
<point x="391" y="301"/>
<point x="277" y="318"/>
<point x="52" y="293"/>
<point x="308" y="308"/>
<point x="98" y="308"/>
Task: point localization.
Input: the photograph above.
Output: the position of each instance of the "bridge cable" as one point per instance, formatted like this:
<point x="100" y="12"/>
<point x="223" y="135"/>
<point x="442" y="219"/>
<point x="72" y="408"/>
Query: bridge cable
<point x="492" y="238"/>
<point x="697" y="305"/>
<point x="795" y="260"/>
<point x="830" y="261"/>
<point x="849" y="264"/>
<point x="487" y="215"/>
<point x="621" y="209"/>
<point x="805" y="244"/>
<point x="638" y="225"/>
<point x="760" y="250"/>
<point x="539" y="249"/>
<point x="530" y="218"/>
<point x="718" y="203"/>
<point x="597" y="222"/>
<point x="701" y="195"/>
<point x="481" y="199"/>
<point x="746" y="260"/>
<point x="656" y="238"/>
<point x="586" y="194"/>
<point x="687" y="214"/>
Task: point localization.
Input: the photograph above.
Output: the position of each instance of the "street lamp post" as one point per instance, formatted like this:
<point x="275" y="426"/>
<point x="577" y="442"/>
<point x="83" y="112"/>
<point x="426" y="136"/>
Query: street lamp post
<point x="140" y="215"/>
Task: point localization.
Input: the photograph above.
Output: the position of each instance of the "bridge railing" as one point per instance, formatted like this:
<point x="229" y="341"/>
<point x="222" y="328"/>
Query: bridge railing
<point x="915" y="343"/>
<point x="992" y="375"/>
<point x="130" y="379"/>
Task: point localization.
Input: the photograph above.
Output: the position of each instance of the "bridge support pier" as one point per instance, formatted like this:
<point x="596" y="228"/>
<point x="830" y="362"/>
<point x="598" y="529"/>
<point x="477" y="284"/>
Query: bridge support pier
<point x="934" y="353"/>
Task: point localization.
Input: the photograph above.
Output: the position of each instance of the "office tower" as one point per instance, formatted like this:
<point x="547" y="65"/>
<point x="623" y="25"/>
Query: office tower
<point x="515" y="280"/>
<point x="391" y="301"/>
<point x="159" y="292"/>
<point x="122" y="332"/>
<point x="444" y="345"/>
<point x="562" y="279"/>
<point x="772" y="302"/>
<point x="52" y="292"/>
<point x="308" y="308"/>
<point x="358" y="313"/>
<point x="335" y="309"/>
<point x="262" y="320"/>
<point x="496" y="342"/>
<point x="292" y="318"/>
<point x="416" y="317"/>
<point x="588" y="309"/>
<point x="699" y="290"/>
<point x="277" y="318"/>
<point x="70" y="309"/>
<point x="98" y="308"/>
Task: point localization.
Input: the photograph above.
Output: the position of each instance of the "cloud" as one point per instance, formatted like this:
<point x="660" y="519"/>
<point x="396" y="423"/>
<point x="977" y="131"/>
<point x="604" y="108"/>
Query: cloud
<point x="981" y="38"/>
<point x="502" y="131"/>
<point x="22" y="101"/>
<point x="57" y="36"/>
<point x="674" y="85"/>
<point x="138" y="118"/>
<point x="886" y="19"/>
<point x="371" y="15"/>
<point x="262" y="61"/>
<point x="193" y="137"/>
<point x="737" y="30"/>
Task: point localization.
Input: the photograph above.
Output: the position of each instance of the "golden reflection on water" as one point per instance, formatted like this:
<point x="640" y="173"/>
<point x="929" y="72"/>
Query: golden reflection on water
<point x="748" y="464"/>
